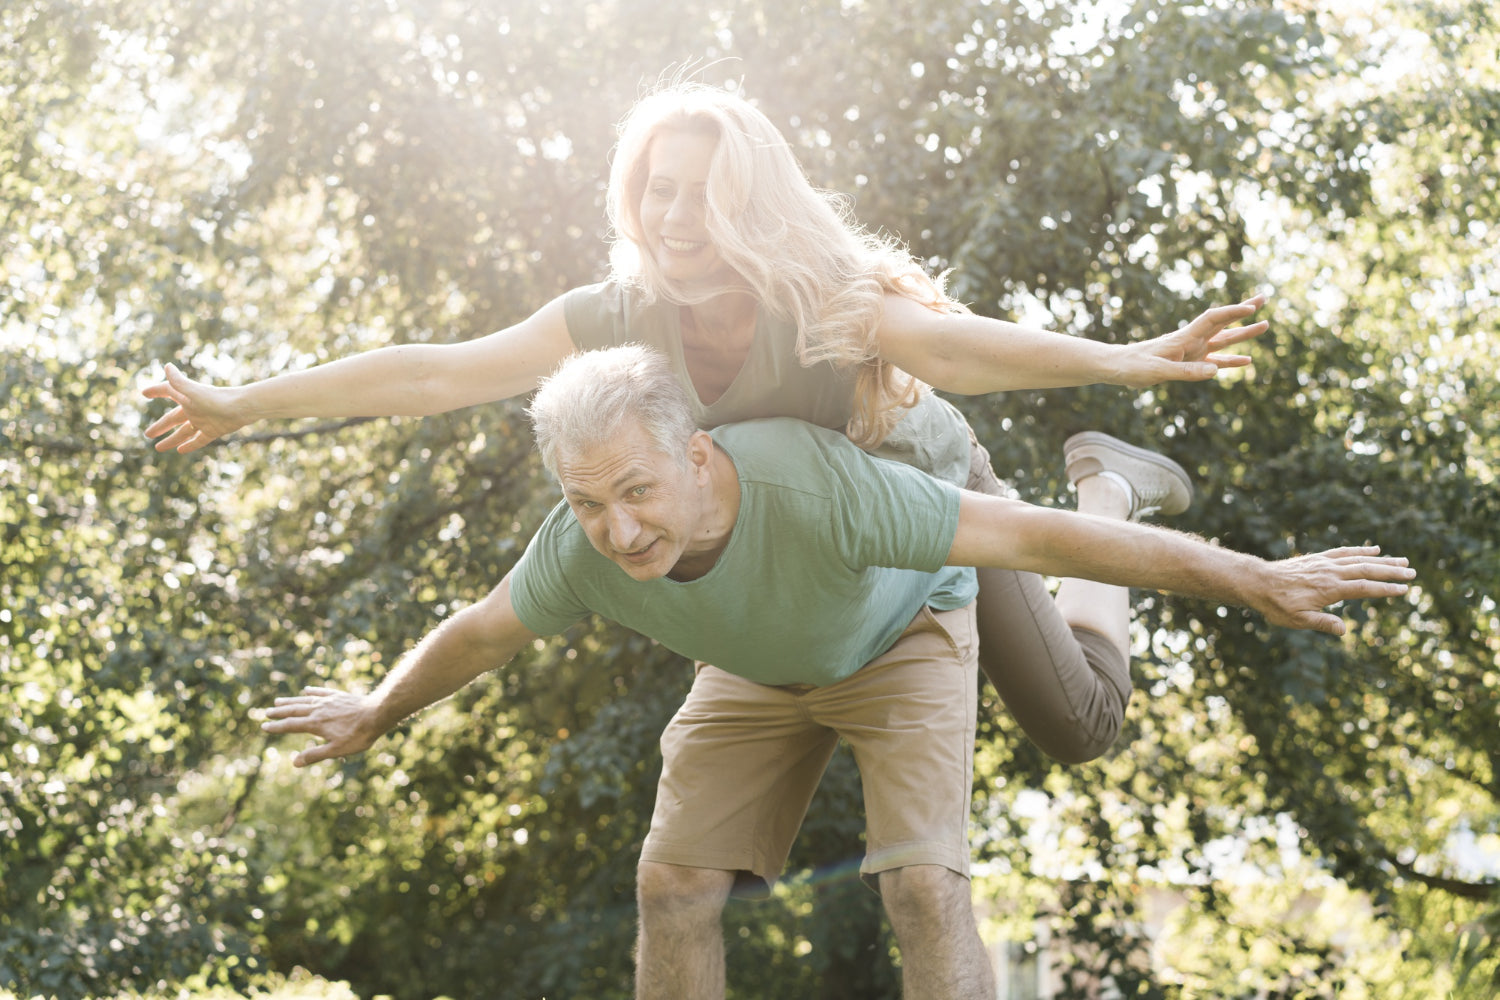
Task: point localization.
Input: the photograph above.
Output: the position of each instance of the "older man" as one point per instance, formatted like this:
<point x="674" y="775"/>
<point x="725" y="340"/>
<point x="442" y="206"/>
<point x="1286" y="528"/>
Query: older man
<point x="832" y="594"/>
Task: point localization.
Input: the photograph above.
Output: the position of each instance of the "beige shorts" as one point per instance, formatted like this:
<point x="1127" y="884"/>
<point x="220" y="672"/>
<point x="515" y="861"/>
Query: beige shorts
<point x="741" y="760"/>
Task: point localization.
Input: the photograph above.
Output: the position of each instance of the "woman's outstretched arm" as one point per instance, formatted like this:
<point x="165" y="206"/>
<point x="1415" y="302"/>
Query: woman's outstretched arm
<point x="407" y="380"/>
<point x="970" y="355"/>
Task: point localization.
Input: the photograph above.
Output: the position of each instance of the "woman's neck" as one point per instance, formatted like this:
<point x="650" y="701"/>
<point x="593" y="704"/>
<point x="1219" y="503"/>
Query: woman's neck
<point x="723" y="320"/>
<point x="716" y="339"/>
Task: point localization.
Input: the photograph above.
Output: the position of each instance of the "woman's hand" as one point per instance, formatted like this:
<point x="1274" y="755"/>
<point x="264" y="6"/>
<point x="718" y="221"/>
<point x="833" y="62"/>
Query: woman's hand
<point x="1191" y="354"/>
<point x="204" y="413"/>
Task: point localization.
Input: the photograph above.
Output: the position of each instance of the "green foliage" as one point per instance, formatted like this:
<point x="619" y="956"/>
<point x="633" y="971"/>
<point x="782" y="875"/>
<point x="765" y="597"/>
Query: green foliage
<point x="246" y="188"/>
<point x="297" y="985"/>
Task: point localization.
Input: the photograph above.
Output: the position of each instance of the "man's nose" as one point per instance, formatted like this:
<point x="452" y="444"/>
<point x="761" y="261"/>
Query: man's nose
<point x="624" y="529"/>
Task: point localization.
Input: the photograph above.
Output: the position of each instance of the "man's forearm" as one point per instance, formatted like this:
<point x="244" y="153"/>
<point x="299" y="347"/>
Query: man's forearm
<point x="1015" y="535"/>
<point x="479" y="638"/>
<point x="449" y="657"/>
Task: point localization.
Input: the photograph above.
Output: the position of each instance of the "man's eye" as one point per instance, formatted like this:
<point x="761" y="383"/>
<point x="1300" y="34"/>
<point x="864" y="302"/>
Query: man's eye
<point x="639" y="491"/>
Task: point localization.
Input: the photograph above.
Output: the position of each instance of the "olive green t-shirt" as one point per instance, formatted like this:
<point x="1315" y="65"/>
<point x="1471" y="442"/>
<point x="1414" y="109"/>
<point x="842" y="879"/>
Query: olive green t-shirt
<point x="931" y="436"/>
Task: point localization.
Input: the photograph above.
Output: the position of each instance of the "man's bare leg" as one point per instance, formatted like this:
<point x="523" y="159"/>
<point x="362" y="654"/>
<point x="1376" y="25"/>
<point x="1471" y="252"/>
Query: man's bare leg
<point x="680" y="947"/>
<point x="942" y="956"/>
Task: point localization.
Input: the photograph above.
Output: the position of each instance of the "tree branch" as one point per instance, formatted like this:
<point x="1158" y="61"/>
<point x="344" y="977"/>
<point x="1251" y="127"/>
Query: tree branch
<point x="1482" y="891"/>
<point x="296" y="435"/>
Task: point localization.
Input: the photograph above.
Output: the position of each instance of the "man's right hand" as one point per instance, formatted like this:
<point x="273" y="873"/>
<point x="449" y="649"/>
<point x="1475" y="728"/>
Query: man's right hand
<point x="343" y="720"/>
<point x="204" y="413"/>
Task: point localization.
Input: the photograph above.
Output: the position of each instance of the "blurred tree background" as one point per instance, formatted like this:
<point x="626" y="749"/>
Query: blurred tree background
<point x="251" y="188"/>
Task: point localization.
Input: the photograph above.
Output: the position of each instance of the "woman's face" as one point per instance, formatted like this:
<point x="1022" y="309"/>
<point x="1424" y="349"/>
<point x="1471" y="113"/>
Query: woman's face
<point x="672" y="207"/>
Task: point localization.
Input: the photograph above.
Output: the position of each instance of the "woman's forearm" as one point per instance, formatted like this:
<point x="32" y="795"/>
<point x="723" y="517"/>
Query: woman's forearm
<point x="405" y="380"/>
<point x="990" y="355"/>
<point x="969" y="354"/>
<point x="408" y="380"/>
<point x="420" y="379"/>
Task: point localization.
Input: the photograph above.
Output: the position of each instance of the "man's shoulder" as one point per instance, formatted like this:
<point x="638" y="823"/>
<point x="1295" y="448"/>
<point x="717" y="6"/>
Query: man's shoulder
<point x="783" y="449"/>
<point x="770" y="434"/>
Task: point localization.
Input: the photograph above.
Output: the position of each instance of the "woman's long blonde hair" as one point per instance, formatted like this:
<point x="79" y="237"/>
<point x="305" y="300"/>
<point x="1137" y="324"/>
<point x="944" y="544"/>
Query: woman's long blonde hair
<point x="794" y="247"/>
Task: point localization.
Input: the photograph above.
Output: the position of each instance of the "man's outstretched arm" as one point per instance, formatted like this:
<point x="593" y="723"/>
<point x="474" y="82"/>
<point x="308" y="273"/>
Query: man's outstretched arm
<point x="993" y="531"/>
<point x="477" y="639"/>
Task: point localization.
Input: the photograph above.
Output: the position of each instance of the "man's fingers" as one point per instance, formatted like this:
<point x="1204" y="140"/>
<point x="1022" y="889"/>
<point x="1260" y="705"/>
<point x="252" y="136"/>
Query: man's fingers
<point x="1379" y="569"/>
<point x="1322" y="622"/>
<point x="1389" y="571"/>
<point x="161" y="390"/>
<point x="324" y="713"/>
<point x="307" y="696"/>
<point x="1363" y="587"/>
<point x="291" y="707"/>
<point x="313" y="754"/>
<point x="1354" y="550"/>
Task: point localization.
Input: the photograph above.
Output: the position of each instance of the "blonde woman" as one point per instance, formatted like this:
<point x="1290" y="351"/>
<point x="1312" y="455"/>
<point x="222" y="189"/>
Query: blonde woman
<point x="770" y="301"/>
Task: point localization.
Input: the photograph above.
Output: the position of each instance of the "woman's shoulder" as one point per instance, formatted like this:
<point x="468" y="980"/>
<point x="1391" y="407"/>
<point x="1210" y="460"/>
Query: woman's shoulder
<point x="609" y="313"/>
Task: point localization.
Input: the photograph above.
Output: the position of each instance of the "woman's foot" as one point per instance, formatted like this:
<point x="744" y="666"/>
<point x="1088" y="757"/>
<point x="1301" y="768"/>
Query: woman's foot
<point x="1155" y="483"/>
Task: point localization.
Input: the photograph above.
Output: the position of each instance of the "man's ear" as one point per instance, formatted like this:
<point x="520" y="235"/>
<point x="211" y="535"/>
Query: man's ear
<point x="700" y="453"/>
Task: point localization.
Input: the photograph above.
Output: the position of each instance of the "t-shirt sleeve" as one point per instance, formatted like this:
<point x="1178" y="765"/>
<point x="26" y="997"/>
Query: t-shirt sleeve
<point x="539" y="589"/>
<point x="889" y="514"/>
<point x="595" y="316"/>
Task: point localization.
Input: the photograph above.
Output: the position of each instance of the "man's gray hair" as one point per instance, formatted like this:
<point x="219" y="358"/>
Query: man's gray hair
<point x="592" y="394"/>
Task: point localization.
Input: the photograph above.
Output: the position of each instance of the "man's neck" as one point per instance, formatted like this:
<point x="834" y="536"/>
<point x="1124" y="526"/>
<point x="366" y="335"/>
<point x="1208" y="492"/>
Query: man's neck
<point x="721" y="509"/>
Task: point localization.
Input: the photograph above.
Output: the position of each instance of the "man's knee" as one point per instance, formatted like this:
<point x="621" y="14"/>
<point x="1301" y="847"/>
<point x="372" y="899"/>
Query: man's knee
<point x="662" y="888"/>
<point x="925" y="895"/>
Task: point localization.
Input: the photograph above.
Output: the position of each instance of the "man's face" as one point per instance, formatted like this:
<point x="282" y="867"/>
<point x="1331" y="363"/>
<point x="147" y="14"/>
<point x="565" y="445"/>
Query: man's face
<point x="640" y="508"/>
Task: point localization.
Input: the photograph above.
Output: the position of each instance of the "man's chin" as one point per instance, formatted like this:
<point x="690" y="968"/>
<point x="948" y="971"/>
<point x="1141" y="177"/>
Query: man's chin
<point x="642" y="570"/>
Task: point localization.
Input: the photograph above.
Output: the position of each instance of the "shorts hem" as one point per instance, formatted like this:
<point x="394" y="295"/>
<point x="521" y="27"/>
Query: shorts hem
<point x="907" y="855"/>
<point x="696" y="857"/>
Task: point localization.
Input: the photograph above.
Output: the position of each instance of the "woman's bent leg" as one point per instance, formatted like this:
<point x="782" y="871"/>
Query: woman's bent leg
<point x="1061" y="666"/>
<point x="1067" y="686"/>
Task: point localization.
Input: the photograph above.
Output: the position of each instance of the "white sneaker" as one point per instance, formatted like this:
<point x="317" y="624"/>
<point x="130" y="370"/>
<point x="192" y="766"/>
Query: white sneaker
<point x="1156" y="484"/>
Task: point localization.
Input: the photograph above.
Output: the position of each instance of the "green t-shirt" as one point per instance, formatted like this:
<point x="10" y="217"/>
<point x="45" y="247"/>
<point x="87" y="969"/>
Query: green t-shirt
<point x="931" y="436"/>
<point x="832" y="554"/>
